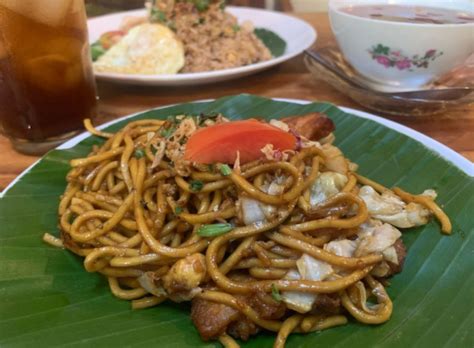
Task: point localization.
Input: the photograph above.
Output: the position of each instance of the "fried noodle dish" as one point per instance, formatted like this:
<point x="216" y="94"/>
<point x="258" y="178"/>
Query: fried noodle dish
<point x="261" y="226"/>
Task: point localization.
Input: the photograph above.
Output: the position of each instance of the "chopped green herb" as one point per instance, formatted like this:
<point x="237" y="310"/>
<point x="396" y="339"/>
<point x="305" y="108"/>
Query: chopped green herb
<point x="196" y="185"/>
<point x="276" y="293"/>
<point x="157" y="16"/>
<point x="178" y="210"/>
<point x="167" y="132"/>
<point x="214" y="230"/>
<point x="225" y="170"/>
<point x="201" y="5"/>
<point x="236" y="27"/>
<point x="172" y="119"/>
<point x="201" y="118"/>
<point x="222" y="4"/>
<point x="139" y="153"/>
<point x="97" y="50"/>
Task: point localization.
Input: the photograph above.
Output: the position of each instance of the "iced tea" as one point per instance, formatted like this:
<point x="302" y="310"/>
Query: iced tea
<point x="46" y="82"/>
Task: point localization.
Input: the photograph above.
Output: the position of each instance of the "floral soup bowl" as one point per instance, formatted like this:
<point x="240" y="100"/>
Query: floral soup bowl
<point x="399" y="54"/>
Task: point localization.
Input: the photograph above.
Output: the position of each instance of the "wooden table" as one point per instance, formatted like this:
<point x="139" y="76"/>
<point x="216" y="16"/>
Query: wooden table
<point x="289" y="80"/>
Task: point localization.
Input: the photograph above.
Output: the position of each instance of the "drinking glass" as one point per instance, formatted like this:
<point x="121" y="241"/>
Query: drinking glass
<point x="47" y="87"/>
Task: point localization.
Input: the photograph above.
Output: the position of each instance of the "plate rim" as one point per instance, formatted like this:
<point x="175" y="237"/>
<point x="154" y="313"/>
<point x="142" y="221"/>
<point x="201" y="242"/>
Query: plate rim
<point x="190" y="77"/>
<point x="438" y="148"/>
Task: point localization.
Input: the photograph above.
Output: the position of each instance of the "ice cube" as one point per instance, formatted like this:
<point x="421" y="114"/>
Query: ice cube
<point x="49" y="12"/>
<point x="66" y="46"/>
<point x="54" y="73"/>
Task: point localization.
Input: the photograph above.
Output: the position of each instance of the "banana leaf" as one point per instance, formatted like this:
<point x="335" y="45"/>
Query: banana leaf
<point x="48" y="299"/>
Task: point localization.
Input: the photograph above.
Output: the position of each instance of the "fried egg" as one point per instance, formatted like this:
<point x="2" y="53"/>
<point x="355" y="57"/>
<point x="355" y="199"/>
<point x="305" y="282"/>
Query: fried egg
<point x="146" y="49"/>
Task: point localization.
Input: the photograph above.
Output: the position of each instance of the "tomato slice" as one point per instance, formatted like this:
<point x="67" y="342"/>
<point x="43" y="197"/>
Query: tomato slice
<point x="110" y="38"/>
<point x="220" y="143"/>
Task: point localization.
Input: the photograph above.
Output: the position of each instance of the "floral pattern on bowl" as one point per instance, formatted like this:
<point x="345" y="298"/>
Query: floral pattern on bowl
<point x="389" y="58"/>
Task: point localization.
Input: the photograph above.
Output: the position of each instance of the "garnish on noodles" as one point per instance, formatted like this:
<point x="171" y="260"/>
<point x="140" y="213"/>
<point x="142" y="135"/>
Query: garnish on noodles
<point x="262" y="226"/>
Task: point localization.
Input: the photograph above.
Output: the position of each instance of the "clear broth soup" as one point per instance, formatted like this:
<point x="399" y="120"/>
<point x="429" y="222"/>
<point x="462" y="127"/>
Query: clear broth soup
<point x="410" y="14"/>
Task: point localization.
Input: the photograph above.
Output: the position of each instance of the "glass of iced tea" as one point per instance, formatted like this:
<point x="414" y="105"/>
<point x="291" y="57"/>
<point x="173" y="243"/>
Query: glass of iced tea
<point x="47" y="86"/>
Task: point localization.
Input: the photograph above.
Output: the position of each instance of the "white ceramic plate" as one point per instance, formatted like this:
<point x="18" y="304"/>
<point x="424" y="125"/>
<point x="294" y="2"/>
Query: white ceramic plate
<point x="298" y="35"/>
<point x="450" y="155"/>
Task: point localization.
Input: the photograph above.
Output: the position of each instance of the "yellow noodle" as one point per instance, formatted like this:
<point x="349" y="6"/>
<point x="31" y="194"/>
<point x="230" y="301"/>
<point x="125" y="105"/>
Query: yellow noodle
<point x="327" y="323"/>
<point x="228" y="342"/>
<point x="430" y="204"/>
<point x="110" y="180"/>
<point x="52" y="240"/>
<point x="123" y="294"/>
<point x="204" y="203"/>
<point x="276" y="263"/>
<point x="96" y="158"/>
<point x="98" y="257"/>
<point x="366" y="181"/>
<point x="155" y="178"/>
<point x="120" y="261"/>
<point x="382" y="311"/>
<point x="361" y="217"/>
<point x="288" y="326"/>
<point x="323" y="255"/>
<point x="255" y="193"/>
<point x="102" y="174"/>
<point x="120" y="273"/>
<point x="266" y="273"/>
<point x="206" y="218"/>
<point x="115" y="219"/>
<point x="91" y="129"/>
<point x="236" y="256"/>
<point x="350" y="184"/>
<point x="71" y="190"/>
<point x="147" y="302"/>
<point x="216" y="201"/>
<point x="124" y="159"/>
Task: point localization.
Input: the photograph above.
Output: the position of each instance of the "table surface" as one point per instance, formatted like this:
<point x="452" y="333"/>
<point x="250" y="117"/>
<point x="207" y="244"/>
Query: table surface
<point x="288" y="80"/>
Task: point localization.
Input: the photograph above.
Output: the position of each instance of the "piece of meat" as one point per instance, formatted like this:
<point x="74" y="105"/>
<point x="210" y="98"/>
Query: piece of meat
<point x="313" y="126"/>
<point x="213" y="319"/>
<point x="242" y="328"/>
<point x="328" y="303"/>
<point x="386" y="268"/>
<point x="265" y="306"/>
<point x="401" y="255"/>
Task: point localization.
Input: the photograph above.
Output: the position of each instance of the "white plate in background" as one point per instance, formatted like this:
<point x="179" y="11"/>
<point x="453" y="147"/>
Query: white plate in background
<point x="298" y="35"/>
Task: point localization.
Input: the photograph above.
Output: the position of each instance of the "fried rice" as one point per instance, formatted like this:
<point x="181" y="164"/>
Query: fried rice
<point x="213" y="38"/>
